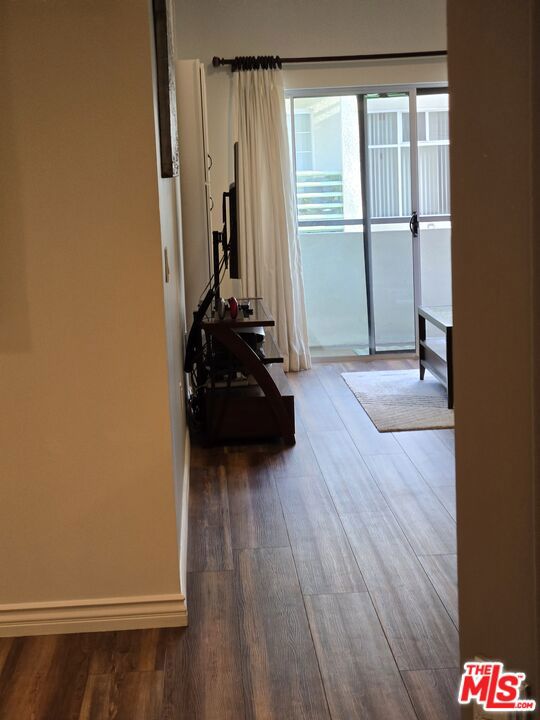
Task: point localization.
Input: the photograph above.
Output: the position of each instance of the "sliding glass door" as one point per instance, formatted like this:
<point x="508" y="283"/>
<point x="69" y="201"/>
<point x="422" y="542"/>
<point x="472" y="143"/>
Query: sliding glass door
<point x="388" y="169"/>
<point x="434" y="198"/>
<point x="373" y="215"/>
<point x="327" y="164"/>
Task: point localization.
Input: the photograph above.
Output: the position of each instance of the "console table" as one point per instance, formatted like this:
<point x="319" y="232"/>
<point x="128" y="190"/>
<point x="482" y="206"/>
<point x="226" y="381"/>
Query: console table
<point x="435" y="353"/>
<point x="261" y="409"/>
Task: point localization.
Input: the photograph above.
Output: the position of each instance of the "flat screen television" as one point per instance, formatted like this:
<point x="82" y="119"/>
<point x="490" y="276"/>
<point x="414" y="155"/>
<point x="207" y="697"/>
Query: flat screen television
<point x="227" y="242"/>
<point x="230" y="221"/>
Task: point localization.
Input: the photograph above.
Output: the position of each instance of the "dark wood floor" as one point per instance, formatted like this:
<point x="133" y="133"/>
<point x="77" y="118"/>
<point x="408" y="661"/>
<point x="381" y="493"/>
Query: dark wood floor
<point x="321" y="584"/>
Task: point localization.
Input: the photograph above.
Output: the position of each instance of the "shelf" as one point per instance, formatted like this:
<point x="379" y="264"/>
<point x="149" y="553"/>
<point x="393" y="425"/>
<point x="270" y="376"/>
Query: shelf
<point x="260" y="317"/>
<point x="252" y="389"/>
<point x="435" y="364"/>
<point x="436" y="345"/>
<point x="271" y="353"/>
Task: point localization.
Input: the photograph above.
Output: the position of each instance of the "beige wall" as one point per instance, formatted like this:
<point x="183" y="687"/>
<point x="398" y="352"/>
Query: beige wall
<point x="86" y="459"/>
<point x="494" y="144"/>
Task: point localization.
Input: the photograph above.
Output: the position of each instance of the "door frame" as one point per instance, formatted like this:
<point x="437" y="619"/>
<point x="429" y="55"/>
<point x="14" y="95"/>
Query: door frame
<point x="412" y="90"/>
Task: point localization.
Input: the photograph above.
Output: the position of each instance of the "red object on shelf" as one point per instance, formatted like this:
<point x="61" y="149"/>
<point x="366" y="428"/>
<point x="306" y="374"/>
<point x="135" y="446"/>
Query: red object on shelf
<point x="233" y="307"/>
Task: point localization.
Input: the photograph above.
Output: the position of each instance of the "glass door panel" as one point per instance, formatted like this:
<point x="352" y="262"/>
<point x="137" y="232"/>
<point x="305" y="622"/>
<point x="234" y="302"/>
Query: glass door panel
<point x="435" y="261"/>
<point x="335" y="291"/>
<point x="387" y="130"/>
<point x="434" y="198"/>
<point x="330" y="223"/>
<point x="393" y="288"/>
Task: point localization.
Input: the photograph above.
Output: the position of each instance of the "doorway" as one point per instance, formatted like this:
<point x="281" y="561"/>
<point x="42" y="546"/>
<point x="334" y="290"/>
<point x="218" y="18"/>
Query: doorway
<point x="373" y="211"/>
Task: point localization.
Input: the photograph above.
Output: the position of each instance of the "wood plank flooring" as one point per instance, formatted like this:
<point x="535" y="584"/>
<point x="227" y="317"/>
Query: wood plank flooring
<point x="321" y="585"/>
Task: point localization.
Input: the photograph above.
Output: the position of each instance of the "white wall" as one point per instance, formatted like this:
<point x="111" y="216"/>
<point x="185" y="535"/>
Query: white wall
<point x="207" y="28"/>
<point x="170" y="212"/>
<point x="87" y="508"/>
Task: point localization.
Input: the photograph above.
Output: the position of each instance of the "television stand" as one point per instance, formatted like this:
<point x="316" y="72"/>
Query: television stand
<point x="261" y="409"/>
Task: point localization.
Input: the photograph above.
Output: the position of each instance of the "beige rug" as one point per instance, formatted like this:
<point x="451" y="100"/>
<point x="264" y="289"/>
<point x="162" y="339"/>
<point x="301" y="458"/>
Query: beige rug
<point x="399" y="400"/>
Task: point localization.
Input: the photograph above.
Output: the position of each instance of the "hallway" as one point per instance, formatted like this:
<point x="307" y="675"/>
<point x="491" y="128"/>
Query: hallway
<point x="335" y="563"/>
<point x="322" y="583"/>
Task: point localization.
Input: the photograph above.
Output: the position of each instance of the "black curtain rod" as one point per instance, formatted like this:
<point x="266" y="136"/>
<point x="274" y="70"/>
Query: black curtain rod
<point x="235" y="62"/>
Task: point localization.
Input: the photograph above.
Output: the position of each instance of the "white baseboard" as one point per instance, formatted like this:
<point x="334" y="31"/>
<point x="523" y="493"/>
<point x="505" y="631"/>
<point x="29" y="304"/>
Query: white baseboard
<point x="184" y="514"/>
<point x="72" y="616"/>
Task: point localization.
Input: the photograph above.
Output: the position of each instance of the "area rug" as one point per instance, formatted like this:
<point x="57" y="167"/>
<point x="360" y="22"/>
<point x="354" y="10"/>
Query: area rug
<point x="398" y="400"/>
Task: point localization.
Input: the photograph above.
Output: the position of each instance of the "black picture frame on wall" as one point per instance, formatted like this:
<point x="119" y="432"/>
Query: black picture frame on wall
<point x="166" y="88"/>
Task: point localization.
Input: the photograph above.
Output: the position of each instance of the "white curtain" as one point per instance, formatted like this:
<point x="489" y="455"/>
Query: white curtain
<point x="270" y="259"/>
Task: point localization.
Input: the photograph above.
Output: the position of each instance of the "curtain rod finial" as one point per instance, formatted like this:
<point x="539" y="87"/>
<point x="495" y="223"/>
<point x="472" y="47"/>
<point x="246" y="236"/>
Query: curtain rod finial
<point x="216" y="62"/>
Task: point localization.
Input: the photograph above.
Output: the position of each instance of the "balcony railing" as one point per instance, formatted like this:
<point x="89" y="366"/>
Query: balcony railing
<point x="319" y="196"/>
